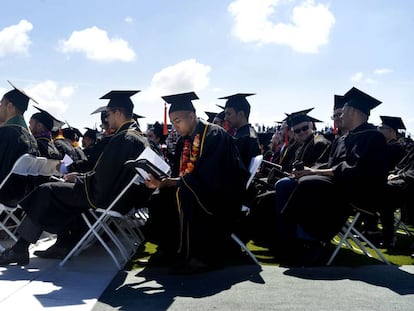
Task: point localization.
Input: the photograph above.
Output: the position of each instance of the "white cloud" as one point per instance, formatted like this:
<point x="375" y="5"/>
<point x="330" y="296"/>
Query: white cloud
<point x="360" y="77"/>
<point x="188" y="75"/>
<point x="51" y="96"/>
<point x="129" y="20"/>
<point x="357" y="77"/>
<point x="96" y="44"/>
<point x="14" y="39"/>
<point x="309" y="27"/>
<point x="382" y="71"/>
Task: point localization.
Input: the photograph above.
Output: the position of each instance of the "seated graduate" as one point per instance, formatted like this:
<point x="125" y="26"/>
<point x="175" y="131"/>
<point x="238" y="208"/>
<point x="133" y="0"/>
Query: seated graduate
<point x="398" y="194"/>
<point x="196" y="207"/>
<point x="72" y="136"/>
<point x="56" y="207"/>
<point x="15" y="140"/>
<point x="356" y="173"/>
<point x="237" y="112"/>
<point x="64" y="147"/>
<point x="42" y="124"/>
<point x="395" y="149"/>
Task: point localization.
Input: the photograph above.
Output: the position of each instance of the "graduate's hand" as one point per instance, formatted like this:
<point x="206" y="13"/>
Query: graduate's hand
<point x="152" y="183"/>
<point x="393" y="176"/>
<point x="300" y="173"/>
<point x="71" y="177"/>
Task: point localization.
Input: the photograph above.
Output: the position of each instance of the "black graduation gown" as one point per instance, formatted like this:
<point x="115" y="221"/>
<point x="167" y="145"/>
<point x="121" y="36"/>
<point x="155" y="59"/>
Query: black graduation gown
<point x="395" y="153"/>
<point x="15" y="140"/>
<point x="92" y="153"/>
<point x="320" y="204"/>
<point x="53" y="206"/>
<point x="210" y="198"/>
<point x="48" y="149"/>
<point x="207" y="200"/>
<point x="315" y="149"/>
<point x="66" y="148"/>
<point x="248" y="143"/>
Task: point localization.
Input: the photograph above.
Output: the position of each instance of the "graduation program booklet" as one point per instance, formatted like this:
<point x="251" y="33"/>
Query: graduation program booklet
<point x="149" y="162"/>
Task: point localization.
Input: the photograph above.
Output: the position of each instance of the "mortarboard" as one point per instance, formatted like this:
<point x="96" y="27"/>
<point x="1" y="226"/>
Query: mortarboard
<point x="238" y="101"/>
<point x="264" y="137"/>
<point x="18" y="97"/>
<point x="395" y="123"/>
<point x="360" y="100"/>
<point x="49" y="121"/>
<point x="211" y="116"/>
<point x="339" y="101"/>
<point x="101" y="110"/>
<point x="299" y="116"/>
<point x="71" y="133"/>
<point x="120" y="99"/>
<point x="91" y="133"/>
<point x="181" y="102"/>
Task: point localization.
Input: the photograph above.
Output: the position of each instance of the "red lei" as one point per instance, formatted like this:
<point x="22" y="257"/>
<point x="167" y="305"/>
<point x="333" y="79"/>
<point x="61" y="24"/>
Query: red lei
<point x="189" y="155"/>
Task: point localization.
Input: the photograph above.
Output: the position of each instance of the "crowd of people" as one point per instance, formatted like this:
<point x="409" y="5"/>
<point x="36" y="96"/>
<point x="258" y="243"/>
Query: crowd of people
<point x="299" y="200"/>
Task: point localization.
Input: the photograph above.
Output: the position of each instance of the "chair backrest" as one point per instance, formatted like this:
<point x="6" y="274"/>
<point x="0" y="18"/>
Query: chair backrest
<point x="253" y="167"/>
<point x="28" y="164"/>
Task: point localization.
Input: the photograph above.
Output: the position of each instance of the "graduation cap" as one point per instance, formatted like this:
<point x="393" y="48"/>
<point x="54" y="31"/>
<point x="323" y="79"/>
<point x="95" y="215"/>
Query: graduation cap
<point x="18" y="97"/>
<point x="264" y="137"/>
<point x="91" y="133"/>
<point x="181" y="102"/>
<point x="103" y="112"/>
<point x="339" y="101"/>
<point x="211" y="116"/>
<point x="71" y="133"/>
<point x="395" y="123"/>
<point x="49" y="121"/>
<point x="299" y="116"/>
<point x="120" y="99"/>
<point x="238" y="102"/>
<point x="360" y="100"/>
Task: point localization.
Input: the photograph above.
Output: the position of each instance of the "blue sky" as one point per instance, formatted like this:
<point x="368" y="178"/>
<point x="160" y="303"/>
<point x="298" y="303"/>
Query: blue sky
<point x="293" y="54"/>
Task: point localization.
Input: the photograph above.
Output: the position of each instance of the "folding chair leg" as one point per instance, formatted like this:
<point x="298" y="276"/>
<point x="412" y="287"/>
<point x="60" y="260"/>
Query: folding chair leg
<point x="246" y="249"/>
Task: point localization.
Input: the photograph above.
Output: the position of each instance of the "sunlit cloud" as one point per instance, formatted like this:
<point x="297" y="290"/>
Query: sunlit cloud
<point x="51" y="96"/>
<point x="98" y="46"/>
<point x="15" y="39"/>
<point x="129" y="20"/>
<point x="382" y="71"/>
<point x="185" y="76"/>
<point x="308" y="28"/>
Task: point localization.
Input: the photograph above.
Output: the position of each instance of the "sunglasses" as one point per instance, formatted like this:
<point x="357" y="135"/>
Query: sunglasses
<point x="301" y="129"/>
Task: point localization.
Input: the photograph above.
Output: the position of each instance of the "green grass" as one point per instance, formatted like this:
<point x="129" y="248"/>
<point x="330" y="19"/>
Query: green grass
<point x="400" y="255"/>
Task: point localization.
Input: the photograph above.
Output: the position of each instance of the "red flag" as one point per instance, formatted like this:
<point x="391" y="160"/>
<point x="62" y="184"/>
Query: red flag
<point x="165" y="128"/>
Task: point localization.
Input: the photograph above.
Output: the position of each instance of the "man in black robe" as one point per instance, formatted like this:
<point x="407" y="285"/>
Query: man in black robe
<point x="206" y="188"/>
<point x="56" y="207"/>
<point x="42" y="124"/>
<point x="237" y="111"/>
<point x="395" y="149"/>
<point x="356" y="173"/>
<point x="15" y="140"/>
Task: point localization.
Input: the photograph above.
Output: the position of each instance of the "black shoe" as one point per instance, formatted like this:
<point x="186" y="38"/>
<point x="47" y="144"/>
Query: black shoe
<point x="10" y="256"/>
<point x="53" y="252"/>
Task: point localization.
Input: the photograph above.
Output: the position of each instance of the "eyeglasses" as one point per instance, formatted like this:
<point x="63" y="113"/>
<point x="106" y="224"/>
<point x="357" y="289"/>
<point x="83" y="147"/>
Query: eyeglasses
<point x="384" y="128"/>
<point x="301" y="129"/>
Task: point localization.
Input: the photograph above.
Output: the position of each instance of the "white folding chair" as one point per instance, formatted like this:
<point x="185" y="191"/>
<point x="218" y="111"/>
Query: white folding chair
<point x="25" y="165"/>
<point x="352" y="238"/>
<point x="126" y="236"/>
<point x="253" y="167"/>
